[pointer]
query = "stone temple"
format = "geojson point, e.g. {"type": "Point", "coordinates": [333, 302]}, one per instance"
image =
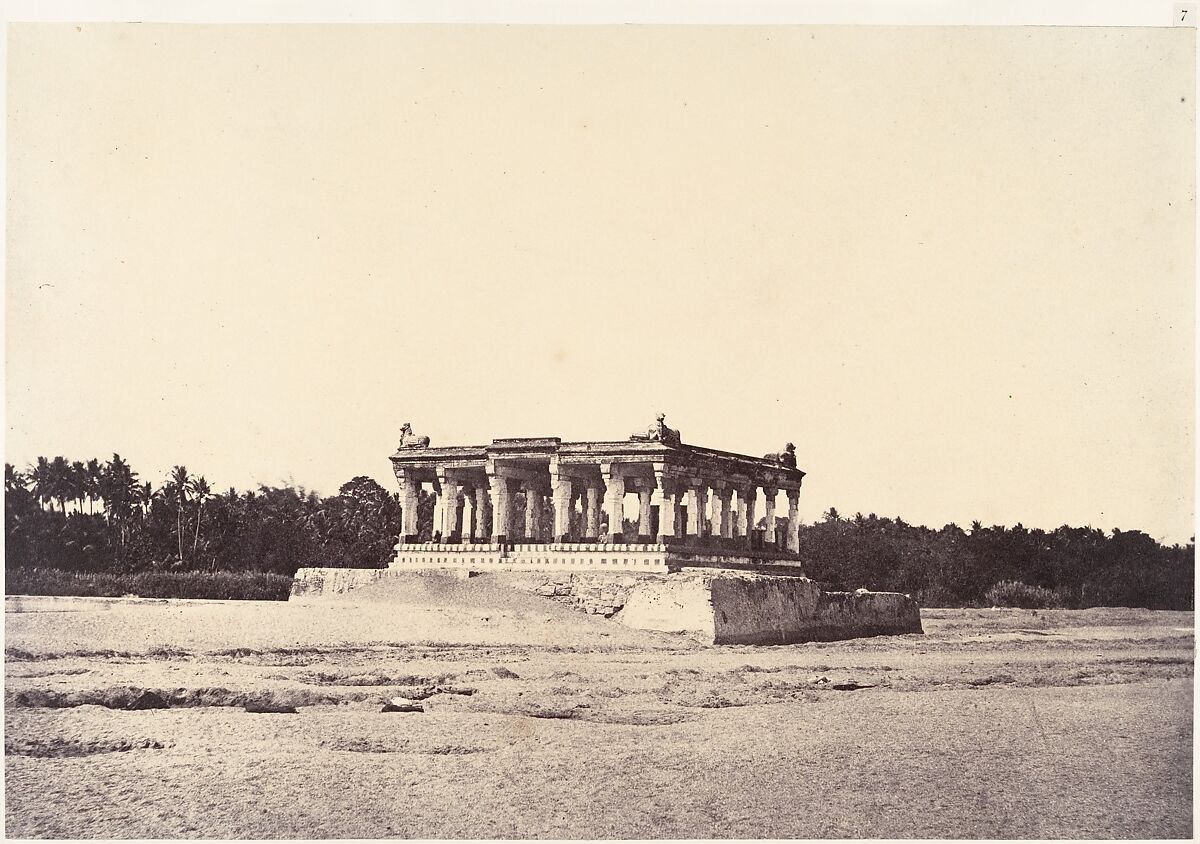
{"type": "Point", "coordinates": [551, 517]}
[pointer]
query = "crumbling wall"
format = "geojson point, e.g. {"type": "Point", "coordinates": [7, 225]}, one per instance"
{"type": "Point", "coordinates": [776, 610]}
{"type": "Point", "coordinates": [599, 594]}
{"type": "Point", "coordinates": [681, 603]}
{"type": "Point", "coordinates": [314, 582]}
{"type": "Point", "coordinates": [734, 608]}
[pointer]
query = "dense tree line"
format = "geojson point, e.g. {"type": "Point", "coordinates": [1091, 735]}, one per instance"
{"type": "Point", "coordinates": [1082, 567]}
{"type": "Point", "coordinates": [99, 517]}
{"type": "Point", "coordinates": [93, 516]}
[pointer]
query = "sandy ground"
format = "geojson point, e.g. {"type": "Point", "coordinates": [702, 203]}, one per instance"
{"type": "Point", "coordinates": [541, 722]}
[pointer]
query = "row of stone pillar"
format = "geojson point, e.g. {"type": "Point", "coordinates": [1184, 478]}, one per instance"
{"type": "Point", "coordinates": [467, 509]}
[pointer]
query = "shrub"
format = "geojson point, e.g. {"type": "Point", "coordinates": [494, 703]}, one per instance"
{"type": "Point", "coordinates": [1014, 593]}
{"type": "Point", "coordinates": [220, 585]}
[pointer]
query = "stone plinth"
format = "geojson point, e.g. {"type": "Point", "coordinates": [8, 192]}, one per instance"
{"type": "Point", "coordinates": [716, 606]}
{"type": "Point", "coordinates": [739, 608]}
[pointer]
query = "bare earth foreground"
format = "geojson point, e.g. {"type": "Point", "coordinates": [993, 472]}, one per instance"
{"type": "Point", "coordinates": [540, 721]}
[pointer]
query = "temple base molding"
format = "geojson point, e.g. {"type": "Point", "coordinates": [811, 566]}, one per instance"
{"type": "Point", "coordinates": [637, 557]}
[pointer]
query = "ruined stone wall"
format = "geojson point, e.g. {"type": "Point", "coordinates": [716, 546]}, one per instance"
{"type": "Point", "coordinates": [599, 594]}
{"type": "Point", "coordinates": [765, 610]}
{"type": "Point", "coordinates": [735, 608]}
{"type": "Point", "coordinates": [679, 604]}
{"type": "Point", "coordinates": [314, 582]}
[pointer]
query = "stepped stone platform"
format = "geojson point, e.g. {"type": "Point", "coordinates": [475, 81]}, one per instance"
{"type": "Point", "coordinates": [716, 606]}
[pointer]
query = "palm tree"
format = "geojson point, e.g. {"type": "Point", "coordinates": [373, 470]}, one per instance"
{"type": "Point", "coordinates": [118, 486]}
{"type": "Point", "coordinates": [92, 469]}
{"type": "Point", "coordinates": [177, 488]}
{"type": "Point", "coordinates": [60, 481]}
{"type": "Point", "coordinates": [43, 484]}
{"type": "Point", "coordinates": [13, 480]}
{"type": "Point", "coordinates": [201, 490]}
{"type": "Point", "coordinates": [79, 483]}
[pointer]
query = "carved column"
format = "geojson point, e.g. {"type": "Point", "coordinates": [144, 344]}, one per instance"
{"type": "Point", "coordinates": [449, 523]}
{"type": "Point", "coordinates": [591, 521]}
{"type": "Point", "coordinates": [482, 505]}
{"type": "Point", "coordinates": [436, 527]}
{"type": "Point", "coordinates": [746, 514]}
{"type": "Point", "coordinates": [668, 509]}
{"type": "Point", "coordinates": [577, 512]}
{"type": "Point", "coordinates": [697, 499]}
{"type": "Point", "coordinates": [714, 517]}
{"type": "Point", "coordinates": [793, 528]}
{"type": "Point", "coordinates": [533, 511]}
{"type": "Point", "coordinates": [769, 494]}
{"type": "Point", "coordinates": [645, 489]}
{"type": "Point", "coordinates": [409, 502]}
{"type": "Point", "coordinates": [560, 486]}
{"type": "Point", "coordinates": [468, 514]}
{"type": "Point", "coordinates": [501, 512]}
{"type": "Point", "coordinates": [614, 502]}
{"type": "Point", "coordinates": [723, 521]}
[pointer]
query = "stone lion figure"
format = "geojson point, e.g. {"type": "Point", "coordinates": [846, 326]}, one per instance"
{"type": "Point", "coordinates": [410, 440]}
{"type": "Point", "coordinates": [658, 433]}
{"type": "Point", "coordinates": [787, 457]}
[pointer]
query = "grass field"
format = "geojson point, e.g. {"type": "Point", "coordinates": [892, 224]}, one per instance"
{"type": "Point", "coordinates": [542, 722]}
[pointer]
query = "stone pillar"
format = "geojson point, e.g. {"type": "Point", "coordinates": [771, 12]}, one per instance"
{"type": "Point", "coordinates": [438, 513]}
{"type": "Point", "coordinates": [482, 504]}
{"type": "Point", "coordinates": [668, 510]}
{"type": "Point", "coordinates": [614, 503]}
{"type": "Point", "coordinates": [769, 494]}
{"type": "Point", "coordinates": [501, 511]}
{"type": "Point", "coordinates": [409, 502]}
{"type": "Point", "coordinates": [591, 521]}
{"type": "Point", "coordinates": [720, 522]}
{"type": "Point", "coordinates": [746, 514]}
{"type": "Point", "coordinates": [449, 523]}
{"type": "Point", "coordinates": [533, 511]}
{"type": "Point", "coordinates": [645, 488]}
{"type": "Point", "coordinates": [714, 518]}
{"type": "Point", "coordinates": [560, 486]}
{"type": "Point", "coordinates": [727, 513]}
{"type": "Point", "coordinates": [697, 498]}
{"type": "Point", "coordinates": [468, 515]}
{"type": "Point", "coordinates": [578, 512]}
{"type": "Point", "coordinates": [793, 527]}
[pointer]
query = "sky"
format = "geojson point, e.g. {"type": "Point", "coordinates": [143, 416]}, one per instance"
{"type": "Point", "coordinates": [955, 266]}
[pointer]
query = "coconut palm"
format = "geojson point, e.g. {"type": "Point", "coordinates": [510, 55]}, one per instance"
{"type": "Point", "coordinates": [177, 490]}
{"type": "Point", "coordinates": [201, 490]}
{"type": "Point", "coordinates": [92, 470]}
{"type": "Point", "coordinates": [118, 487]}
{"type": "Point", "coordinates": [78, 483]}
{"type": "Point", "coordinates": [43, 483]}
{"type": "Point", "coordinates": [60, 481]}
{"type": "Point", "coordinates": [13, 480]}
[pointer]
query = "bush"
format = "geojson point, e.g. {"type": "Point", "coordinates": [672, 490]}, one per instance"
{"type": "Point", "coordinates": [221, 585]}
{"type": "Point", "coordinates": [1014, 593]}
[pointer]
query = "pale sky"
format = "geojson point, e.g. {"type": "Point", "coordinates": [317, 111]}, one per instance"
{"type": "Point", "coordinates": [955, 266]}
